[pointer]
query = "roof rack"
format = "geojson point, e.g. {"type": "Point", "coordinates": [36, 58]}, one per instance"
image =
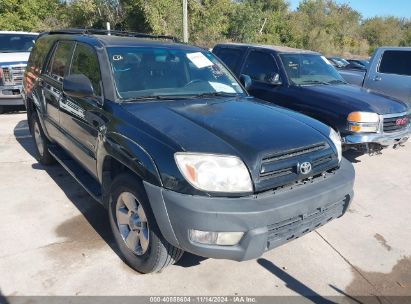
{"type": "Point", "coordinates": [86, 31]}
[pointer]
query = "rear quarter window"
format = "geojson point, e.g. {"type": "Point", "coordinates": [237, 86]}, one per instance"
{"type": "Point", "coordinates": [39, 53]}
{"type": "Point", "coordinates": [396, 62]}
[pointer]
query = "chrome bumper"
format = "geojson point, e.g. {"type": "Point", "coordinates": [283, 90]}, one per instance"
{"type": "Point", "coordinates": [11, 95]}
{"type": "Point", "coordinates": [384, 139]}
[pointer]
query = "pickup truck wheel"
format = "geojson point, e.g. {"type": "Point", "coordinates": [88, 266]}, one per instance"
{"type": "Point", "coordinates": [40, 142]}
{"type": "Point", "coordinates": [2, 109]}
{"type": "Point", "coordinates": [135, 229]}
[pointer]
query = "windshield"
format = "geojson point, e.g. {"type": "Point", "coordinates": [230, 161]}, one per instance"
{"type": "Point", "coordinates": [144, 72]}
{"type": "Point", "coordinates": [10, 43]}
{"type": "Point", "coordinates": [309, 69]}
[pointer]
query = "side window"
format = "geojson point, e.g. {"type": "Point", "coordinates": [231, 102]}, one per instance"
{"type": "Point", "coordinates": [39, 53]}
{"type": "Point", "coordinates": [260, 66]}
{"type": "Point", "coordinates": [60, 61]}
{"type": "Point", "coordinates": [85, 62]}
{"type": "Point", "coordinates": [396, 62]}
{"type": "Point", "coordinates": [231, 57]}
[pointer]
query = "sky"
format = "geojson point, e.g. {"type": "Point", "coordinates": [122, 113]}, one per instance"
{"type": "Point", "coordinates": [371, 8]}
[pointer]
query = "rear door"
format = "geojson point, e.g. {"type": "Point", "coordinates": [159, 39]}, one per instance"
{"type": "Point", "coordinates": [52, 87]}
{"type": "Point", "coordinates": [81, 118]}
{"type": "Point", "coordinates": [391, 75]}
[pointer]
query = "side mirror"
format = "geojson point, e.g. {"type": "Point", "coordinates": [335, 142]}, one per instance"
{"type": "Point", "coordinates": [274, 79]}
{"type": "Point", "coordinates": [245, 81]}
{"type": "Point", "coordinates": [78, 85]}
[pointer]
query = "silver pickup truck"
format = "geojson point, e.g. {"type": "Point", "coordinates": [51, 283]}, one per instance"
{"type": "Point", "coordinates": [15, 49]}
{"type": "Point", "coordinates": [389, 73]}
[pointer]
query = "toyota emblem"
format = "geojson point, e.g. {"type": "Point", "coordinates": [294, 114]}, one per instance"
{"type": "Point", "coordinates": [305, 168]}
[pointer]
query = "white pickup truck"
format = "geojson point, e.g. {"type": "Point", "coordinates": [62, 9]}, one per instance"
{"type": "Point", "coordinates": [15, 49]}
{"type": "Point", "coordinates": [389, 73]}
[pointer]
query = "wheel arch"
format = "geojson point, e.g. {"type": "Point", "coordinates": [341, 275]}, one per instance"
{"type": "Point", "coordinates": [114, 159]}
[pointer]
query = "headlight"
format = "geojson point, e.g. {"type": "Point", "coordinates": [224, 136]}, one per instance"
{"type": "Point", "coordinates": [363, 122]}
{"type": "Point", "coordinates": [214, 173]}
{"type": "Point", "coordinates": [336, 139]}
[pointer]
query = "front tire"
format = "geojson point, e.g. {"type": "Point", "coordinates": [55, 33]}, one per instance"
{"type": "Point", "coordinates": [41, 143]}
{"type": "Point", "coordinates": [135, 228]}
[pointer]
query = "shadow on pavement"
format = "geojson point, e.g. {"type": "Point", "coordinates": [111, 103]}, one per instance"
{"type": "Point", "coordinates": [353, 156]}
{"type": "Point", "coordinates": [95, 214]}
{"type": "Point", "coordinates": [345, 294]}
{"type": "Point", "coordinates": [190, 260]}
{"type": "Point", "coordinates": [292, 283]}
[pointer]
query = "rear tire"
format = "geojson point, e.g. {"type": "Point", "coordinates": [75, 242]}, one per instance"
{"type": "Point", "coordinates": [135, 229]}
{"type": "Point", "coordinates": [41, 143]}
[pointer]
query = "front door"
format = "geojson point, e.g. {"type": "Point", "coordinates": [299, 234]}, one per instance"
{"type": "Point", "coordinates": [81, 118]}
{"type": "Point", "coordinates": [264, 72]}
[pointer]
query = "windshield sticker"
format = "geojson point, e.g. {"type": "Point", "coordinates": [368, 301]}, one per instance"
{"type": "Point", "coordinates": [221, 87]}
{"type": "Point", "coordinates": [117, 57]}
{"type": "Point", "coordinates": [326, 60]}
{"type": "Point", "coordinates": [199, 60]}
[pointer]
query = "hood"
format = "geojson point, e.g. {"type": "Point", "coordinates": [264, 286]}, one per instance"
{"type": "Point", "coordinates": [244, 126]}
{"type": "Point", "coordinates": [14, 58]}
{"type": "Point", "coordinates": [356, 98]}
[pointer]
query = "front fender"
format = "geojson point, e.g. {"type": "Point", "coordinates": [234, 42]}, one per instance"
{"type": "Point", "coordinates": [129, 153]}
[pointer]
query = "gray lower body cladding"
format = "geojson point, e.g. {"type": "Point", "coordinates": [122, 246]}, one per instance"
{"type": "Point", "coordinates": [268, 220]}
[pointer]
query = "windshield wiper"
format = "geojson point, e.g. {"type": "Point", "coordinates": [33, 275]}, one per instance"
{"type": "Point", "coordinates": [314, 82]}
{"type": "Point", "coordinates": [336, 81]}
{"type": "Point", "coordinates": [215, 94]}
{"type": "Point", "coordinates": [153, 97]}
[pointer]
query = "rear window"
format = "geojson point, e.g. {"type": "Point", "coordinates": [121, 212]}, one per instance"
{"type": "Point", "coordinates": [396, 62]}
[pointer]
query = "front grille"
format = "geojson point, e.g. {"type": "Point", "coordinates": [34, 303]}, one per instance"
{"type": "Point", "coordinates": [394, 124]}
{"type": "Point", "coordinates": [316, 161]}
{"type": "Point", "coordinates": [13, 75]}
{"type": "Point", "coordinates": [292, 228]}
{"type": "Point", "coordinates": [283, 168]}
{"type": "Point", "coordinates": [294, 152]}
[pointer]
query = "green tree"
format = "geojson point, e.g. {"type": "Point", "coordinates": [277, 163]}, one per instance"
{"type": "Point", "coordinates": [325, 26]}
{"type": "Point", "coordinates": [380, 31]}
{"type": "Point", "coordinates": [33, 15]}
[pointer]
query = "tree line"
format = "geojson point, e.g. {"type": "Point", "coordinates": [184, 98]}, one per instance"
{"type": "Point", "coordinates": [320, 25]}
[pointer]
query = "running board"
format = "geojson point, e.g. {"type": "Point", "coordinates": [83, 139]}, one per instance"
{"type": "Point", "coordinates": [77, 172]}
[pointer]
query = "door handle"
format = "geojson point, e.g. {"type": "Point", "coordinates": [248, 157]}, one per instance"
{"type": "Point", "coordinates": [377, 78]}
{"type": "Point", "coordinates": [94, 119]}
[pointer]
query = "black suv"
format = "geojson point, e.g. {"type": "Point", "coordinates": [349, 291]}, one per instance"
{"type": "Point", "coordinates": [165, 137]}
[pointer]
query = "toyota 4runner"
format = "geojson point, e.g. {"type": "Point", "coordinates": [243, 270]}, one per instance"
{"type": "Point", "coordinates": [167, 139]}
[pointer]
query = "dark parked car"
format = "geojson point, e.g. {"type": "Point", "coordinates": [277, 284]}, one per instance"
{"type": "Point", "coordinates": [164, 136]}
{"type": "Point", "coordinates": [306, 82]}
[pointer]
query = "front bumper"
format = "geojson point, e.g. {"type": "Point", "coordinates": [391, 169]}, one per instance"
{"type": "Point", "coordinates": [268, 219]}
{"type": "Point", "coordinates": [383, 139]}
{"type": "Point", "coordinates": [11, 95]}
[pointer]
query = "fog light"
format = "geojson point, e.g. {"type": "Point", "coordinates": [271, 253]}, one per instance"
{"type": "Point", "coordinates": [216, 238]}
